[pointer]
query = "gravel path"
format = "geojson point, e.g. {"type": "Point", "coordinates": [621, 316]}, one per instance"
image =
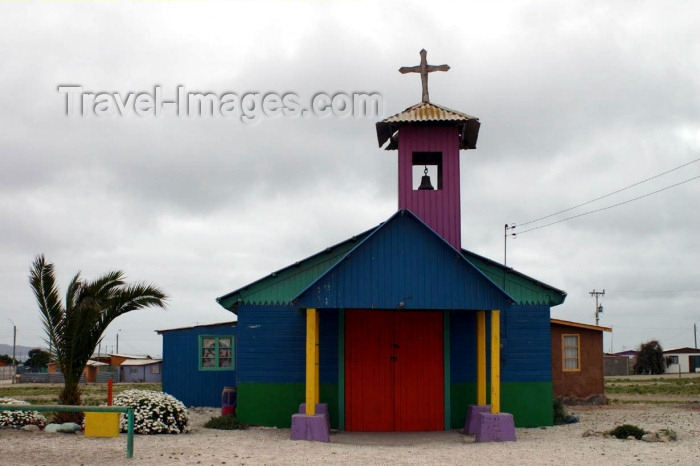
{"type": "Point", "coordinates": [551, 445]}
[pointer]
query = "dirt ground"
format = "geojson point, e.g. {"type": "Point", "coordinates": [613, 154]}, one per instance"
{"type": "Point", "coordinates": [551, 445]}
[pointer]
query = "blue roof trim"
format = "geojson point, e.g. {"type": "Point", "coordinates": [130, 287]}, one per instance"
{"type": "Point", "coordinates": [403, 263]}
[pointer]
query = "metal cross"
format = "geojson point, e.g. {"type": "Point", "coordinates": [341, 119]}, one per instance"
{"type": "Point", "coordinates": [423, 69]}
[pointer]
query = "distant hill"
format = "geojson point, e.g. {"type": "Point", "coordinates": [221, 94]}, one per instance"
{"type": "Point", "coordinates": [21, 352]}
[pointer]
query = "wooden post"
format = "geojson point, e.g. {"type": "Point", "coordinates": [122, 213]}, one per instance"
{"type": "Point", "coordinates": [495, 362]}
{"type": "Point", "coordinates": [317, 360]}
{"type": "Point", "coordinates": [312, 358]}
{"type": "Point", "coordinates": [481, 358]}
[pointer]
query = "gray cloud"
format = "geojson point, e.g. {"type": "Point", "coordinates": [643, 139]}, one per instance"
{"type": "Point", "coordinates": [575, 102]}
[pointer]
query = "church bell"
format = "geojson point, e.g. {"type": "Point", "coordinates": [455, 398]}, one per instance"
{"type": "Point", "coordinates": [425, 181]}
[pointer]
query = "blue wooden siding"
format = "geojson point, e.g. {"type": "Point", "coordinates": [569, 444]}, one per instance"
{"type": "Point", "coordinates": [463, 346]}
{"type": "Point", "coordinates": [181, 375]}
{"type": "Point", "coordinates": [527, 345]}
{"type": "Point", "coordinates": [403, 264]}
{"type": "Point", "coordinates": [271, 345]}
{"type": "Point", "coordinates": [525, 335]}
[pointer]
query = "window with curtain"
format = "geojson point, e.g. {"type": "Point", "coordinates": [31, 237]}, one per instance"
{"type": "Point", "coordinates": [216, 352]}
{"type": "Point", "coordinates": [571, 352]}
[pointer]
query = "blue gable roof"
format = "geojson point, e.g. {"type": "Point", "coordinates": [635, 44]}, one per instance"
{"type": "Point", "coordinates": [403, 264]}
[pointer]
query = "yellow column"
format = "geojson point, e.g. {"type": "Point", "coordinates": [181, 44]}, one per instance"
{"type": "Point", "coordinates": [312, 358]}
{"type": "Point", "coordinates": [495, 361]}
{"type": "Point", "coordinates": [481, 358]}
{"type": "Point", "coordinates": [317, 361]}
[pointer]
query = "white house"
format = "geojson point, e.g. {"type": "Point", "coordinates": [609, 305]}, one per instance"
{"type": "Point", "coordinates": [682, 360]}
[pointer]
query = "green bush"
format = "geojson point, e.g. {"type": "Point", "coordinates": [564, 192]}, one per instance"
{"type": "Point", "coordinates": [559, 412]}
{"type": "Point", "coordinates": [627, 430]}
{"type": "Point", "coordinates": [225, 423]}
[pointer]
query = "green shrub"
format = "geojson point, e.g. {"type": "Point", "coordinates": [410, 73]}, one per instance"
{"type": "Point", "coordinates": [627, 430]}
{"type": "Point", "coordinates": [225, 423]}
{"type": "Point", "coordinates": [559, 412]}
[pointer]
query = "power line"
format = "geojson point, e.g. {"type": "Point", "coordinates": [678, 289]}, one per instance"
{"type": "Point", "coordinates": [610, 194]}
{"type": "Point", "coordinates": [611, 206]}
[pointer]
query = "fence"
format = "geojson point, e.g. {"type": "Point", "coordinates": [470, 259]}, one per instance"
{"type": "Point", "coordinates": [5, 372]}
{"type": "Point", "coordinates": [85, 409]}
{"type": "Point", "coordinates": [108, 372]}
{"type": "Point", "coordinates": [45, 377]}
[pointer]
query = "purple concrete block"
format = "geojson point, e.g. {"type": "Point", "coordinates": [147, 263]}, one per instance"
{"type": "Point", "coordinates": [321, 409]}
{"type": "Point", "coordinates": [313, 428]}
{"type": "Point", "coordinates": [473, 417]}
{"type": "Point", "coordinates": [495, 428]}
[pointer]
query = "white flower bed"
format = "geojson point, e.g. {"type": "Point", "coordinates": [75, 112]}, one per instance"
{"type": "Point", "coordinates": [154, 412]}
{"type": "Point", "coordinates": [19, 418]}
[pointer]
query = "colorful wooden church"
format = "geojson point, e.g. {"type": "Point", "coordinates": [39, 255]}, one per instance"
{"type": "Point", "coordinates": [398, 328]}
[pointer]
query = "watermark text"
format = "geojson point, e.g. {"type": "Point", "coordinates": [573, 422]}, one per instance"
{"type": "Point", "coordinates": [248, 107]}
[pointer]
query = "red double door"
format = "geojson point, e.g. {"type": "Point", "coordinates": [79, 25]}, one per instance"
{"type": "Point", "coordinates": [394, 379]}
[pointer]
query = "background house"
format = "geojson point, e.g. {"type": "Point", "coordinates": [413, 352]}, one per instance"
{"type": "Point", "coordinates": [92, 368]}
{"type": "Point", "coordinates": [682, 360]}
{"type": "Point", "coordinates": [141, 370]}
{"type": "Point", "coordinates": [199, 361]}
{"type": "Point", "coordinates": [577, 360]}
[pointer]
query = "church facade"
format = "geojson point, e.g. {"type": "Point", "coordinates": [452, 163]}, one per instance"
{"type": "Point", "coordinates": [398, 328]}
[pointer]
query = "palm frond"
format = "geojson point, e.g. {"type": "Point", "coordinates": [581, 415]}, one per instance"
{"type": "Point", "coordinates": [43, 284]}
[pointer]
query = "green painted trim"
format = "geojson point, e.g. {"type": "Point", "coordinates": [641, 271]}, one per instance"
{"type": "Point", "coordinates": [341, 369]}
{"type": "Point", "coordinates": [216, 353]}
{"type": "Point", "coordinates": [530, 403]}
{"type": "Point", "coordinates": [273, 404]}
{"type": "Point", "coordinates": [446, 367]}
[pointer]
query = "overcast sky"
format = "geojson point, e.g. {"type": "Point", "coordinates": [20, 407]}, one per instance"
{"type": "Point", "coordinates": [576, 100]}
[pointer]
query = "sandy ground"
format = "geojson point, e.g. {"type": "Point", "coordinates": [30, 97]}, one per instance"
{"type": "Point", "coordinates": [551, 445]}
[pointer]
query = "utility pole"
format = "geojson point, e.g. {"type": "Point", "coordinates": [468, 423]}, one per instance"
{"type": "Point", "coordinates": [14, 349]}
{"type": "Point", "coordinates": [505, 240]}
{"type": "Point", "coordinates": [598, 309]}
{"type": "Point", "coordinates": [117, 342]}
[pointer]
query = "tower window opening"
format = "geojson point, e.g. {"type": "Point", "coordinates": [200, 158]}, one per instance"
{"type": "Point", "coordinates": [430, 161]}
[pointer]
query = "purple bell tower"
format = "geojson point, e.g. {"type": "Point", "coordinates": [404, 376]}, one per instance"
{"type": "Point", "coordinates": [428, 138]}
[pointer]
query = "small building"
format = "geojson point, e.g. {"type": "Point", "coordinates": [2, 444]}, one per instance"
{"type": "Point", "coordinates": [682, 360]}
{"type": "Point", "coordinates": [199, 361]}
{"type": "Point", "coordinates": [577, 360]}
{"type": "Point", "coordinates": [616, 366]}
{"type": "Point", "coordinates": [631, 356]}
{"type": "Point", "coordinates": [141, 370]}
{"type": "Point", "coordinates": [92, 368]}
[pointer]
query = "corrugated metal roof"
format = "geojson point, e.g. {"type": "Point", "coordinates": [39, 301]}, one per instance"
{"type": "Point", "coordinates": [523, 289]}
{"type": "Point", "coordinates": [403, 264]}
{"type": "Point", "coordinates": [685, 350]}
{"type": "Point", "coordinates": [568, 323]}
{"type": "Point", "coordinates": [140, 362]}
{"type": "Point", "coordinates": [280, 287]}
{"type": "Point", "coordinates": [218, 324]}
{"type": "Point", "coordinates": [427, 113]}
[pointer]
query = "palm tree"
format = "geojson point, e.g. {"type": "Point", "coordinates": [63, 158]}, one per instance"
{"type": "Point", "coordinates": [75, 327]}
